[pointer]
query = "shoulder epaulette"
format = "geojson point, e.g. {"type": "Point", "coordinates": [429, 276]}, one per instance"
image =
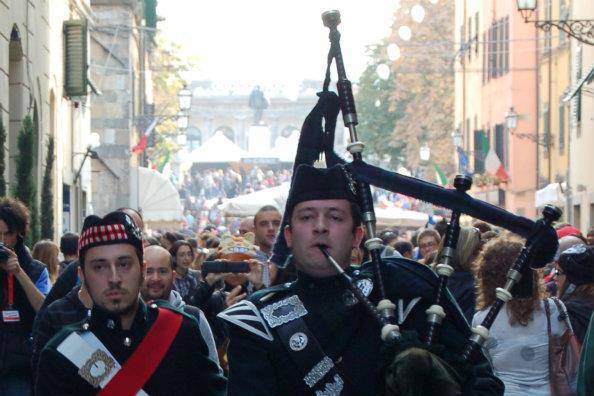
{"type": "Point", "coordinates": [246, 315]}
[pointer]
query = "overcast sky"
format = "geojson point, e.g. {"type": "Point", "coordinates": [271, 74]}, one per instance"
{"type": "Point", "coordinates": [272, 40]}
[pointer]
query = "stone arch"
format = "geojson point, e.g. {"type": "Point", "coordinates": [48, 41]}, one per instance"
{"type": "Point", "coordinates": [227, 131]}
{"type": "Point", "coordinates": [16, 97]}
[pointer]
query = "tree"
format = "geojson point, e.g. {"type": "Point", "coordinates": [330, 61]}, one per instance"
{"type": "Point", "coordinates": [24, 188]}
{"type": "Point", "coordinates": [2, 159]}
{"type": "Point", "coordinates": [47, 195]}
{"type": "Point", "coordinates": [377, 115]}
{"type": "Point", "coordinates": [425, 76]}
{"type": "Point", "coordinates": [167, 69]}
{"type": "Point", "coordinates": [414, 105]}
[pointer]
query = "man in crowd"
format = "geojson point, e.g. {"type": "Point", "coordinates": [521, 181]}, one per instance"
{"type": "Point", "coordinates": [23, 284]}
{"type": "Point", "coordinates": [158, 285]}
{"type": "Point", "coordinates": [246, 225]}
{"type": "Point", "coordinates": [311, 336]}
{"type": "Point", "coordinates": [67, 310]}
{"type": "Point", "coordinates": [590, 237]}
{"type": "Point", "coordinates": [266, 223]}
{"type": "Point", "coordinates": [69, 248]}
{"type": "Point", "coordinates": [125, 346]}
{"type": "Point", "coordinates": [428, 241]}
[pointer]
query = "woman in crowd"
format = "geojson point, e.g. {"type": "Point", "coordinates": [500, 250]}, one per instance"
{"type": "Point", "coordinates": [47, 252]}
{"type": "Point", "coordinates": [519, 342]}
{"type": "Point", "coordinates": [575, 284]}
{"type": "Point", "coordinates": [462, 282]}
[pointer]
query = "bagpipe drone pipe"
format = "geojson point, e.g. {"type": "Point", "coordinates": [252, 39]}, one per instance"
{"type": "Point", "coordinates": [317, 137]}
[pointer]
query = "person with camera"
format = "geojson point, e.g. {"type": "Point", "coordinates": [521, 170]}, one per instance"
{"type": "Point", "coordinates": [23, 285]}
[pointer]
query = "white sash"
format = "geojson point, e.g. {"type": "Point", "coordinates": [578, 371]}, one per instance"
{"type": "Point", "coordinates": [94, 361]}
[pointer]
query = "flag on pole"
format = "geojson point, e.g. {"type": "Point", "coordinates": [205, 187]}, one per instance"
{"type": "Point", "coordinates": [440, 176]}
{"type": "Point", "coordinates": [143, 142]}
{"type": "Point", "coordinates": [462, 160]}
{"type": "Point", "coordinates": [494, 166]}
{"type": "Point", "coordinates": [164, 162]}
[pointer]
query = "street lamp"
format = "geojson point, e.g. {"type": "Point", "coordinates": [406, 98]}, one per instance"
{"type": "Point", "coordinates": [185, 99]}
{"type": "Point", "coordinates": [457, 138]}
{"type": "Point", "coordinates": [424, 153]}
{"type": "Point", "coordinates": [580, 29]}
{"type": "Point", "coordinates": [182, 121]}
{"type": "Point", "coordinates": [511, 119]}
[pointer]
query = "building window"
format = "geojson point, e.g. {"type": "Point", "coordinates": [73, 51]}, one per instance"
{"type": "Point", "coordinates": [546, 127]}
{"type": "Point", "coordinates": [500, 144]}
{"type": "Point", "coordinates": [476, 32]}
{"type": "Point", "coordinates": [561, 128]}
{"type": "Point", "coordinates": [485, 51]}
{"type": "Point", "coordinates": [469, 43]}
{"type": "Point", "coordinates": [479, 154]}
{"type": "Point", "coordinates": [547, 7]}
{"type": "Point", "coordinates": [498, 49]}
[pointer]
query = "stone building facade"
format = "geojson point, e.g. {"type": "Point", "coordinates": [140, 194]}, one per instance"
{"type": "Point", "coordinates": [121, 44]}
{"type": "Point", "coordinates": [32, 84]}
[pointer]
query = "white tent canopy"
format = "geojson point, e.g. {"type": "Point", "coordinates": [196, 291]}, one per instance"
{"type": "Point", "coordinates": [398, 217]}
{"type": "Point", "coordinates": [552, 194]}
{"type": "Point", "coordinates": [157, 198]}
{"type": "Point", "coordinates": [249, 204]}
{"type": "Point", "coordinates": [217, 149]}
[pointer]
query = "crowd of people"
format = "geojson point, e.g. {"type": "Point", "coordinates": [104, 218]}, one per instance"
{"type": "Point", "coordinates": [51, 291]}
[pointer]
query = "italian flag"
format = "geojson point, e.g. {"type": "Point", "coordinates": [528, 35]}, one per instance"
{"type": "Point", "coordinates": [494, 166]}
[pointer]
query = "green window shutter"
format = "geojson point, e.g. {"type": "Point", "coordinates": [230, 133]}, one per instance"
{"type": "Point", "coordinates": [75, 58]}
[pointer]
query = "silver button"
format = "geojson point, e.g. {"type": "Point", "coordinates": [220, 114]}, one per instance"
{"type": "Point", "coordinates": [110, 324]}
{"type": "Point", "coordinates": [85, 326]}
{"type": "Point", "coordinates": [154, 306]}
{"type": "Point", "coordinates": [127, 341]}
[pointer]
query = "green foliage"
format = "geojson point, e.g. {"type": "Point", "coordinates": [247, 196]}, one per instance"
{"type": "Point", "coordinates": [25, 183]}
{"type": "Point", "coordinates": [47, 195]}
{"type": "Point", "coordinates": [2, 159]}
{"type": "Point", "coordinates": [415, 105]}
{"type": "Point", "coordinates": [378, 115]}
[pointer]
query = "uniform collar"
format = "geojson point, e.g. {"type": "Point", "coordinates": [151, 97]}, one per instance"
{"type": "Point", "coordinates": [328, 283]}
{"type": "Point", "coordinates": [102, 319]}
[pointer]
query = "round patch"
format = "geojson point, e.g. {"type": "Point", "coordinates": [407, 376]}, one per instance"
{"type": "Point", "coordinates": [527, 353]}
{"type": "Point", "coordinates": [298, 341]}
{"type": "Point", "coordinates": [366, 286]}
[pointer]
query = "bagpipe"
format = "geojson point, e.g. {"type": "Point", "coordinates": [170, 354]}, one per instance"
{"type": "Point", "coordinates": [317, 137]}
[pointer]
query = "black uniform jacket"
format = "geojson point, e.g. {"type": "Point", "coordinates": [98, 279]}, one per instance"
{"type": "Point", "coordinates": [347, 334]}
{"type": "Point", "coordinates": [184, 370]}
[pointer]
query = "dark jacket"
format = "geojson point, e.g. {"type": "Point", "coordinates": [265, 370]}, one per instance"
{"type": "Point", "coordinates": [579, 310]}
{"type": "Point", "coordinates": [462, 286]}
{"type": "Point", "coordinates": [15, 338]}
{"type": "Point", "coordinates": [347, 335]}
{"type": "Point", "coordinates": [184, 370]}
{"type": "Point", "coordinates": [62, 312]}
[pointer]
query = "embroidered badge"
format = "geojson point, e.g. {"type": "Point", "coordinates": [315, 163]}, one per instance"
{"type": "Point", "coordinates": [283, 311]}
{"type": "Point", "coordinates": [298, 341]}
{"type": "Point", "coordinates": [365, 285]}
{"type": "Point", "coordinates": [97, 368]}
{"type": "Point", "coordinates": [332, 388]}
{"type": "Point", "coordinates": [318, 371]}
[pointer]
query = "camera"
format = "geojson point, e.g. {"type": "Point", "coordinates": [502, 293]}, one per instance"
{"type": "Point", "coordinates": [4, 253]}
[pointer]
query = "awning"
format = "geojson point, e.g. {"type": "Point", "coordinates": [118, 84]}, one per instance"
{"type": "Point", "coordinates": [249, 204]}
{"type": "Point", "coordinates": [553, 194]}
{"type": "Point", "coordinates": [217, 149]}
{"type": "Point", "coordinates": [157, 198]}
{"type": "Point", "coordinates": [584, 80]}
